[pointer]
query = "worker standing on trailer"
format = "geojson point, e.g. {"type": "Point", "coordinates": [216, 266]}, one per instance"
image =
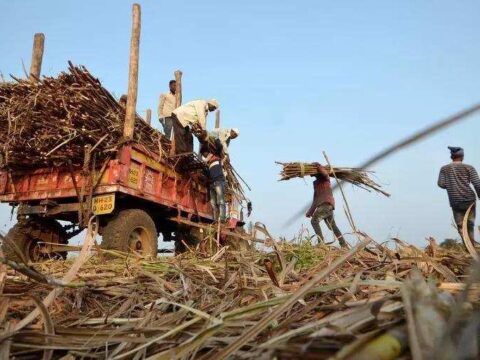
{"type": "Point", "coordinates": [165, 108]}
{"type": "Point", "coordinates": [190, 118]}
{"type": "Point", "coordinates": [456, 178]}
{"type": "Point", "coordinates": [323, 206]}
{"type": "Point", "coordinates": [217, 179]}
{"type": "Point", "coordinates": [214, 145]}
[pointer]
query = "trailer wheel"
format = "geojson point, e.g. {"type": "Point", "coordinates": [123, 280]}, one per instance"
{"type": "Point", "coordinates": [132, 230]}
{"type": "Point", "coordinates": [24, 240]}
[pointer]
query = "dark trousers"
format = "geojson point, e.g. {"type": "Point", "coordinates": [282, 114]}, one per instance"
{"type": "Point", "coordinates": [325, 212]}
{"type": "Point", "coordinates": [167, 123]}
{"type": "Point", "coordinates": [182, 136]}
{"type": "Point", "coordinates": [458, 216]}
{"type": "Point", "coordinates": [217, 199]}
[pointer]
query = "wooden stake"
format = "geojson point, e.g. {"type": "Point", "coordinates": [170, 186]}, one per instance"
{"type": "Point", "coordinates": [217, 119]}
{"type": "Point", "coordinates": [149, 116]}
{"type": "Point", "coordinates": [37, 56]}
{"type": "Point", "coordinates": [132, 74]}
{"type": "Point", "coordinates": [178, 91]}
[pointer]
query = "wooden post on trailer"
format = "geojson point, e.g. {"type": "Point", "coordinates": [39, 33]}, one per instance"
{"type": "Point", "coordinates": [37, 56]}
{"type": "Point", "coordinates": [148, 117]}
{"type": "Point", "coordinates": [132, 75]}
{"type": "Point", "coordinates": [82, 212]}
{"type": "Point", "coordinates": [217, 119]}
{"type": "Point", "coordinates": [178, 102]}
{"type": "Point", "coordinates": [178, 90]}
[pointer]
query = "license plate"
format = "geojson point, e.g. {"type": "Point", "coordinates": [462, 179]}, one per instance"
{"type": "Point", "coordinates": [104, 204]}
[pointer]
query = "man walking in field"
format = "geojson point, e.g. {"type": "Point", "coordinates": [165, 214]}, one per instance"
{"type": "Point", "coordinates": [166, 107]}
{"type": "Point", "coordinates": [323, 206]}
{"type": "Point", "coordinates": [457, 179]}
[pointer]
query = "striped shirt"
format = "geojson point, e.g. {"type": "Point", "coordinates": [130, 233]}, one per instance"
{"type": "Point", "coordinates": [456, 178]}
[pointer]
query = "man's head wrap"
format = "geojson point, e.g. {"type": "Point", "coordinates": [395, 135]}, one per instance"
{"type": "Point", "coordinates": [455, 151]}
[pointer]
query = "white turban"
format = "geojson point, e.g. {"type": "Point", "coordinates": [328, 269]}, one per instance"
{"type": "Point", "coordinates": [214, 103]}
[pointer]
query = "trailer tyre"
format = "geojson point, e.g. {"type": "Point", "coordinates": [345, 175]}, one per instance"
{"type": "Point", "coordinates": [132, 230]}
{"type": "Point", "coordinates": [23, 241]}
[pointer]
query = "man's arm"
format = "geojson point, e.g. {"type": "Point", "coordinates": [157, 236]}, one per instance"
{"type": "Point", "coordinates": [219, 145]}
{"type": "Point", "coordinates": [314, 205]}
{"type": "Point", "coordinates": [222, 138]}
{"type": "Point", "coordinates": [475, 180]}
{"type": "Point", "coordinates": [160, 106]}
{"type": "Point", "coordinates": [310, 211]}
{"type": "Point", "coordinates": [441, 179]}
{"type": "Point", "coordinates": [202, 117]}
{"type": "Point", "coordinates": [322, 172]}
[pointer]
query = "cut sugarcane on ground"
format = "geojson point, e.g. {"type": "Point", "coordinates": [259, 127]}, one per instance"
{"type": "Point", "coordinates": [355, 176]}
{"type": "Point", "coordinates": [199, 305]}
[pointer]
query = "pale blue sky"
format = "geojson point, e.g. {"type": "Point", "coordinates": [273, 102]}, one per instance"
{"type": "Point", "coordinates": [297, 77]}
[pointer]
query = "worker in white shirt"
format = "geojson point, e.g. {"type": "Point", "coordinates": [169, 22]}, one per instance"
{"type": "Point", "coordinates": [225, 135]}
{"type": "Point", "coordinates": [165, 108]}
{"type": "Point", "coordinates": [190, 118]}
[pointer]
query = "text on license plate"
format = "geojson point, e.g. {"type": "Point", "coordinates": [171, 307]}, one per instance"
{"type": "Point", "coordinates": [103, 204]}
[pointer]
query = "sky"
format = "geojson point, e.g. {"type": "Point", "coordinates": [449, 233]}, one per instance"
{"type": "Point", "coordinates": [298, 78]}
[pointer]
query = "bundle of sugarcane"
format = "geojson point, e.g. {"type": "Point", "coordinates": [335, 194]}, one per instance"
{"type": "Point", "coordinates": [50, 121]}
{"type": "Point", "coordinates": [355, 176]}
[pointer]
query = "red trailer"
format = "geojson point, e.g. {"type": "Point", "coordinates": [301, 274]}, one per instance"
{"type": "Point", "coordinates": [136, 196]}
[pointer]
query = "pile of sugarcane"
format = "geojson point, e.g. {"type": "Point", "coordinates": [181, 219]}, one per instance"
{"type": "Point", "coordinates": [355, 176]}
{"type": "Point", "coordinates": [50, 122]}
{"type": "Point", "coordinates": [296, 301]}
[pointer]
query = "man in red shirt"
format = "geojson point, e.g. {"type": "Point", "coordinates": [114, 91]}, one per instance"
{"type": "Point", "coordinates": [323, 205]}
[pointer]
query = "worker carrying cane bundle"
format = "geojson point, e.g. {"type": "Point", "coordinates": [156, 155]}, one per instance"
{"type": "Point", "coordinates": [323, 206]}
